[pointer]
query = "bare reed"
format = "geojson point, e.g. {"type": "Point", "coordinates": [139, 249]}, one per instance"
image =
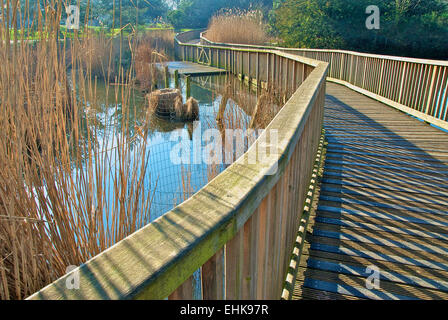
{"type": "Point", "coordinates": [65, 194]}
{"type": "Point", "coordinates": [240, 27]}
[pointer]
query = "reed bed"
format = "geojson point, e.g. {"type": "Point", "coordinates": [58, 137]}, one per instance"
{"type": "Point", "coordinates": [160, 40]}
{"type": "Point", "coordinates": [67, 192]}
{"type": "Point", "coordinates": [151, 48]}
{"type": "Point", "coordinates": [238, 26]}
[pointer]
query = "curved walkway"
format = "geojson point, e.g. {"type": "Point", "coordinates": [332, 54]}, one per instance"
{"type": "Point", "coordinates": [383, 206]}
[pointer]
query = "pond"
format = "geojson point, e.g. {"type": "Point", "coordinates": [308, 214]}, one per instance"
{"type": "Point", "coordinates": [178, 164]}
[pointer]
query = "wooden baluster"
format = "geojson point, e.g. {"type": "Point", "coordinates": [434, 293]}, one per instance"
{"type": "Point", "coordinates": [185, 291]}
{"type": "Point", "coordinates": [213, 277]}
{"type": "Point", "coordinates": [234, 266]}
{"type": "Point", "coordinates": [379, 91]}
{"type": "Point", "coordinates": [250, 251]}
{"type": "Point", "coordinates": [263, 239]}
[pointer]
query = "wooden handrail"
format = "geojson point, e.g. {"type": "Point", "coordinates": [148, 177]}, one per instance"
{"type": "Point", "coordinates": [418, 87]}
{"type": "Point", "coordinates": [247, 216]}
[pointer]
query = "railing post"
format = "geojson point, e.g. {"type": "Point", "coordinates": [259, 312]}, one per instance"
{"type": "Point", "coordinates": [364, 73]}
{"type": "Point", "coordinates": [188, 86]}
{"type": "Point", "coordinates": [351, 70]}
{"type": "Point", "coordinates": [287, 78]}
{"type": "Point", "coordinates": [225, 59]}
{"type": "Point", "coordinates": [268, 66]}
{"type": "Point", "coordinates": [213, 277]}
{"type": "Point", "coordinates": [210, 60]}
{"type": "Point", "coordinates": [403, 74]}
{"type": "Point", "coordinates": [167, 76]}
{"type": "Point", "coordinates": [176, 78]}
{"type": "Point", "coordinates": [258, 69]}
{"type": "Point", "coordinates": [331, 64]}
{"type": "Point", "coordinates": [381, 77]}
{"type": "Point", "coordinates": [248, 66]}
{"type": "Point", "coordinates": [234, 266]}
{"type": "Point", "coordinates": [341, 71]}
{"type": "Point", "coordinates": [431, 89]}
{"type": "Point", "coordinates": [242, 64]}
{"type": "Point", "coordinates": [294, 75]}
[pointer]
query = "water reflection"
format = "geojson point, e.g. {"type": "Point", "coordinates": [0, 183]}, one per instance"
{"type": "Point", "coordinates": [169, 183]}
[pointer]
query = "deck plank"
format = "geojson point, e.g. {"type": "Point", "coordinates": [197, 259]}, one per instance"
{"type": "Point", "coordinates": [383, 202]}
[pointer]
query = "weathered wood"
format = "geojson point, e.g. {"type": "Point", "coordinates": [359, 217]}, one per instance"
{"type": "Point", "coordinates": [249, 257]}
{"type": "Point", "coordinates": [402, 240]}
{"type": "Point", "coordinates": [189, 69]}
{"type": "Point", "coordinates": [158, 261]}
{"type": "Point", "coordinates": [184, 292]}
{"type": "Point", "coordinates": [438, 122]}
{"type": "Point", "coordinates": [234, 266]}
{"type": "Point", "coordinates": [213, 277]}
{"type": "Point", "coordinates": [188, 86]}
{"type": "Point", "coordinates": [262, 253]}
{"type": "Point", "coordinates": [176, 78]}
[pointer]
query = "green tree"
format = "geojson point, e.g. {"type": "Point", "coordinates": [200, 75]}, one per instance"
{"type": "Point", "coordinates": [408, 27]}
{"type": "Point", "coordinates": [126, 11]}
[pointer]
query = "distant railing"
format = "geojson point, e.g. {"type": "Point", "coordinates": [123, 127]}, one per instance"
{"type": "Point", "coordinates": [416, 86]}
{"type": "Point", "coordinates": [240, 229]}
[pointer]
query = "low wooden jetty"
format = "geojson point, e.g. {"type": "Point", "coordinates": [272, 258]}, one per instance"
{"type": "Point", "coordinates": [187, 68]}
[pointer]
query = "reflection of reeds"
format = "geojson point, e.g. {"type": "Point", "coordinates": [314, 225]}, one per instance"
{"type": "Point", "coordinates": [238, 26]}
{"type": "Point", "coordinates": [186, 184]}
{"type": "Point", "coordinates": [66, 192]}
{"type": "Point", "coordinates": [269, 102]}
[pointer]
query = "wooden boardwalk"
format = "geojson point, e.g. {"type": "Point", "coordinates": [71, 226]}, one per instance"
{"type": "Point", "coordinates": [383, 202]}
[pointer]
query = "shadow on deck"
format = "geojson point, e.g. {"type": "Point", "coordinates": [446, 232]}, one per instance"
{"type": "Point", "coordinates": [383, 206]}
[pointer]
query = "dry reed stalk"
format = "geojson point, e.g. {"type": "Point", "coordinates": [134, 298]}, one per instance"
{"type": "Point", "coordinates": [150, 51]}
{"type": "Point", "coordinates": [238, 26]}
{"type": "Point", "coordinates": [65, 195]}
{"type": "Point", "coordinates": [187, 188]}
{"type": "Point", "coordinates": [269, 103]}
{"type": "Point", "coordinates": [159, 40]}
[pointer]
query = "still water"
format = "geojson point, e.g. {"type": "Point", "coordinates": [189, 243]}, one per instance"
{"type": "Point", "coordinates": [170, 183]}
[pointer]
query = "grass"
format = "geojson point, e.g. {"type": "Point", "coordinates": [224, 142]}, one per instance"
{"type": "Point", "coordinates": [66, 192]}
{"type": "Point", "coordinates": [240, 27]}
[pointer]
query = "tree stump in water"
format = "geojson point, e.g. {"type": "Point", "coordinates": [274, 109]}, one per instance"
{"type": "Point", "coordinates": [168, 104]}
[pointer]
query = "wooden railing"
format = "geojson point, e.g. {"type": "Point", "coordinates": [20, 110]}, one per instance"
{"type": "Point", "coordinates": [239, 230]}
{"type": "Point", "coordinates": [416, 86]}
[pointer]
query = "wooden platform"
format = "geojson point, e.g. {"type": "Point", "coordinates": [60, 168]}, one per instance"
{"type": "Point", "coordinates": [192, 69]}
{"type": "Point", "coordinates": [383, 202]}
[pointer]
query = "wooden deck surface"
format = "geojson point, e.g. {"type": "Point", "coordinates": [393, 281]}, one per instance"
{"type": "Point", "coordinates": [383, 202]}
{"type": "Point", "coordinates": [191, 69]}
